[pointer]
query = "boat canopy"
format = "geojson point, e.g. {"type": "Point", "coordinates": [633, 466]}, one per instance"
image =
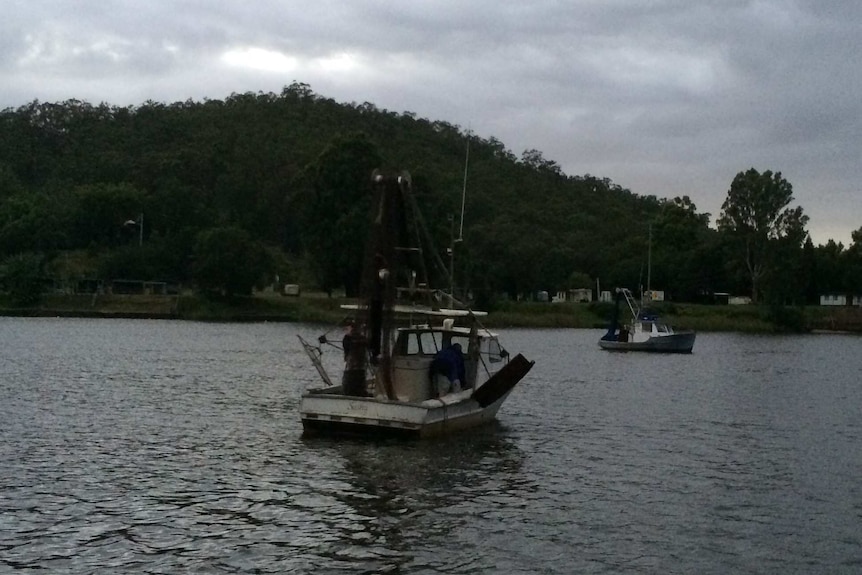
{"type": "Point", "coordinates": [422, 310]}
{"type": "Point", "coordinates": [647, 315]}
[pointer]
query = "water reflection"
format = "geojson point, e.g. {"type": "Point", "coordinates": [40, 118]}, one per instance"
{"type": "Point", "coordinates": [403, 502]}
{"type": "Point", "coordinates": [174, 447]}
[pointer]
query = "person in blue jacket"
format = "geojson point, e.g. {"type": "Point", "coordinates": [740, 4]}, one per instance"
{"type": "Point", "coordinates": [447, 370]}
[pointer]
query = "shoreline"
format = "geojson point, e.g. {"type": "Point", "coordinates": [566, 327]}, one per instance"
{"type": "Point", "coordinates": [324, 310]}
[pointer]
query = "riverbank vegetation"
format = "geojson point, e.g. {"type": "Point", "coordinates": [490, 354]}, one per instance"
{"type": "Point", "coordinates": [228, 198]}
{"type": "Point", "coordinates": [318, 308]}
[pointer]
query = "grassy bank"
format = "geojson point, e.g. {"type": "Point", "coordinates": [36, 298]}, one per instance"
{"type": "Point", "coordinates": [596, 315]}
{"type": "Point", "coordinates": [186, 307]}
{"type": "Point", "coordinates": [317, 308]}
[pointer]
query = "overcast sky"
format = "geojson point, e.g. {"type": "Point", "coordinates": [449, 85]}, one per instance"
{"type": "Point", "coordinates": [664, 97]}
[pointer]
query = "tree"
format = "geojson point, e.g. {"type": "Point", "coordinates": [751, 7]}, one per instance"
{"type": "Point", "coordinates": [679, 223]}
{"type": "Point", "coordinates": [678, 233]}
{"type": "Point", "coordinates": [338, 206]}
{"type": "Point", "coordinates": [534, 159]}
{"type": "Point", "coordinates": [756, 218]}
{"type": "Point", "coordinates": [100, 212]}
{"type": "Point", "coordinates": [578, 280]}
{"type": "Point", "coordinates": [810, 280]}
{"type": "Point", "coordinates": [229, 261]}
{"type": "Point", "coordinates": [853, 263]}
{"type": "Point", "coordinates": [829, 259]}
{"type": "Point", "coordinates": [22, 278]}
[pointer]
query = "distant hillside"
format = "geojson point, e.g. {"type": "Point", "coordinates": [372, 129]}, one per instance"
{"type": "Point", "coordinates": [290, 171]}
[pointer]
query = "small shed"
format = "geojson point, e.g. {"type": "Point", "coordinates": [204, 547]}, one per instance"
{"type": "Point", "coordinates": [833, 299]}
{"type": "Point", "coordinates": [721, 298]}
{"type": "Point", "coordinates": [654, 295]}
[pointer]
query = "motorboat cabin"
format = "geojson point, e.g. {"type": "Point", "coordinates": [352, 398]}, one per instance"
{"type": "Point", "coordinates": [416, 346]}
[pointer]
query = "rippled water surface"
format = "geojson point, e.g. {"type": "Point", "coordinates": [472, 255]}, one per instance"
{"type": "Point", "coordinates": [176, 447]}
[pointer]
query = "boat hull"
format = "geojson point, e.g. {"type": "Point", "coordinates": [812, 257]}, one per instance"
{"type": "Point", "coordinates": [679, 342]}
{"type": "Point", "coordinates": [329, 411]}
{"type": "Point", "coordinates": [340, 414]}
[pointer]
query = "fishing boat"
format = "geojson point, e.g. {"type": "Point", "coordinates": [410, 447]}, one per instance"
{"type": "Point", "coordinates": [644, 332]}
{"type": "Point", "coordinates": [392, 382]}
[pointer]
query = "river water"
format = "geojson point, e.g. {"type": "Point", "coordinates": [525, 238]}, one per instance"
{"type": "Point", "coordinates": [134, 446]}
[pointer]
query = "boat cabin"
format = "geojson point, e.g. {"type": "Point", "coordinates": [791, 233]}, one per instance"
{"type": "Point", "coordinates": [648, 323]}
{"type": "Point", "coordinates": [416, 346]}
{"type": "Point", "coordinates": [653, 328]}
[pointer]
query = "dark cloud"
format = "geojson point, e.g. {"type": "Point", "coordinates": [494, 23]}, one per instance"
{"type": "Point", "coordinates": [666, 97]}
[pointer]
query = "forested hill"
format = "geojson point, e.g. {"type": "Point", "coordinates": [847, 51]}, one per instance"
{"type": "Point", "coordinates": [280, 182]}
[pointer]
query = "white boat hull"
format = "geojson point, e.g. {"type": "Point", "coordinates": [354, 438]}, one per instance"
{"type": "Point", "coordinates": [678, 342]}
{"type": "Point", "coordinates": [342, 414]}
{"type": "Point", "coordinates": [329, 411]}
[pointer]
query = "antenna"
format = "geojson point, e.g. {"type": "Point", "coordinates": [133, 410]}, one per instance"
{"type": "Point", "coordinates": [464, 189]}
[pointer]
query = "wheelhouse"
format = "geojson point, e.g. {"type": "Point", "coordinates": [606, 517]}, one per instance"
{"type": "Point", "coordinates": [416, 346]}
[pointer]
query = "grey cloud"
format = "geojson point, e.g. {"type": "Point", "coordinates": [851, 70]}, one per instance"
{"type": "Point", "coordinates": [666, 97]}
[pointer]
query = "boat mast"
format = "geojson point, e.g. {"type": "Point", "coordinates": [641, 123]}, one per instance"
{"type": "Point", "coordinates": [387, 252]}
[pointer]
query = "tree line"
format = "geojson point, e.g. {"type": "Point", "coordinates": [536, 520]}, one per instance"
{"type": "Point", "coordinates": [264, 187]}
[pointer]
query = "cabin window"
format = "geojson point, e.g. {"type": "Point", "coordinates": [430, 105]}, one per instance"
{"type": "Point", "coordinates": [494, 350]}
{"type": "Point", "coordinates": [430, 342]}
{"type": "Point", "coordinates": [412, 341]}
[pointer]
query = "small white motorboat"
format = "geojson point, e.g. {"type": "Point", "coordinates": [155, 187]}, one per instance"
{"type": "Point", "coordinates": [644, 332]}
